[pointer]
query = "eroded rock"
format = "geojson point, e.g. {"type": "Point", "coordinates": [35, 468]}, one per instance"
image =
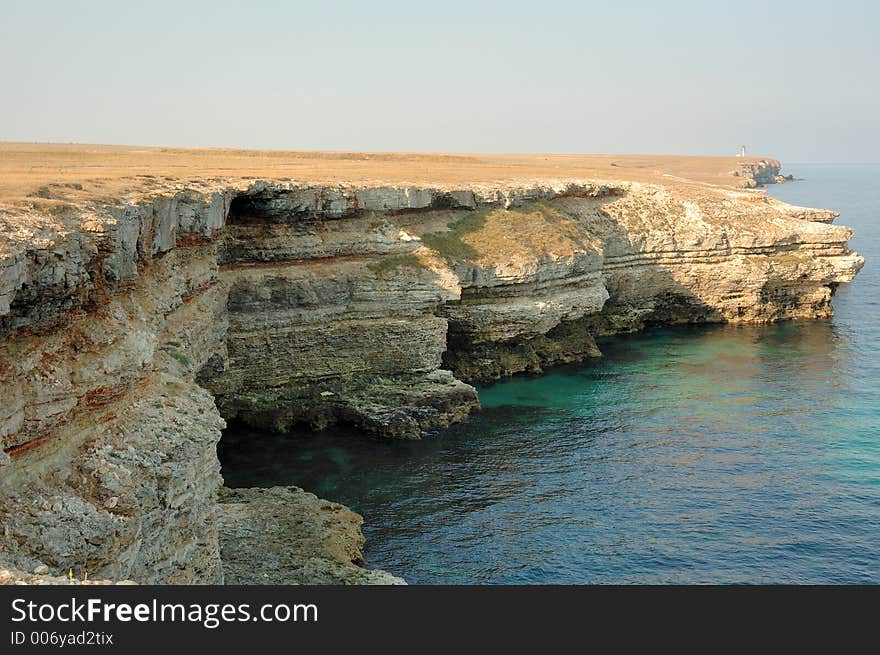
{"type": "Point", "coordinates": [284, 535]}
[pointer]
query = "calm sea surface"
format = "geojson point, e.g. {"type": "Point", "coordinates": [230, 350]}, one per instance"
{"type": "Point", "coordinates": [711, 454]}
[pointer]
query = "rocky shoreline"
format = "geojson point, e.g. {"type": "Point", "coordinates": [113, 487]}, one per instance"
{"type": "Point", "coordinates": [131, 330]}
{"type": "Point", "coordinates": [760, 173]}
{"type": "Point", "coordinates": [284, 535]}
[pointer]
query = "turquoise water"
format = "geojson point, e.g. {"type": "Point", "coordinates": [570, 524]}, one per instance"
{"type": "Point", "coordinates": [705, 454]}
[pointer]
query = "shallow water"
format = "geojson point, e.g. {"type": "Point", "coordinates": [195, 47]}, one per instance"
{"type": "Point", "coordinates": [697, 454]}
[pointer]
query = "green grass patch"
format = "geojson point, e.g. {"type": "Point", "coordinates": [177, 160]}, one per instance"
{"type": "Point", "coordinates": [394, 262]}
{"type": "Point", "coordinates": [180, 357]}
{"type": "Point", "coordinates": [170, 349]}
{"type": "Point", "coordinates": [449, 244]}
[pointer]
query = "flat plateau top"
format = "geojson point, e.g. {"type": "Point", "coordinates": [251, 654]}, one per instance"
{"type": "Point", "coordinates": [99, 172]}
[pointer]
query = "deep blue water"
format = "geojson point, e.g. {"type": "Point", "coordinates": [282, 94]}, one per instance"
{"type": "Point", "coordinates": [699, 454]}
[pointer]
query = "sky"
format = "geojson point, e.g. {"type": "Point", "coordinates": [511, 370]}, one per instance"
{"type": "Point", "coordinates": [792, 80]}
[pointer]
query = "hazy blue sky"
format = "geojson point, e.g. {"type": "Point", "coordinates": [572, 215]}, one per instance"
{"type": "Point", "coordinates": [795, 80]}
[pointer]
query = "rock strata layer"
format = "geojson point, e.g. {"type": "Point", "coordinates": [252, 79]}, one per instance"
{"type": "Point", "coordinates": [130, 330]}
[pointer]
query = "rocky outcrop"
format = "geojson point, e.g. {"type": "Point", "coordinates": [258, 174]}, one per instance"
{"type": "Point", "coordinates": [130, 331]}
{"type": "Point", "coordinates": [284, 535]}
{"type": "Point", "coordinates": [541, 279]}
{"type": "Point", "coordinates": [761, 172]}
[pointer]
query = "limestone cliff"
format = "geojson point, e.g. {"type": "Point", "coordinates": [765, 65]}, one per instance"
{"type": "Point", "coordinates": [130, 329]}
{"type": "Point", "coordinates": [756, 173]}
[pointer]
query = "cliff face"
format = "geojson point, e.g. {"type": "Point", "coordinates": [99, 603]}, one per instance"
{"type": "Point", "coordinates": [756, 173]}
{"type": "Point", "coordinates": [130, 331]}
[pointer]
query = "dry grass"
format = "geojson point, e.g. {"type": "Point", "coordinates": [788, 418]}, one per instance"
{"type": "Point", "coordinates": [57, 173]}
{"type": "Point", "coordinates": [489, 236]}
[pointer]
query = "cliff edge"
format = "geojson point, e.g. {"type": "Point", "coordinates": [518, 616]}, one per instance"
{"type": "Point", "coordinates": [143, 305]}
